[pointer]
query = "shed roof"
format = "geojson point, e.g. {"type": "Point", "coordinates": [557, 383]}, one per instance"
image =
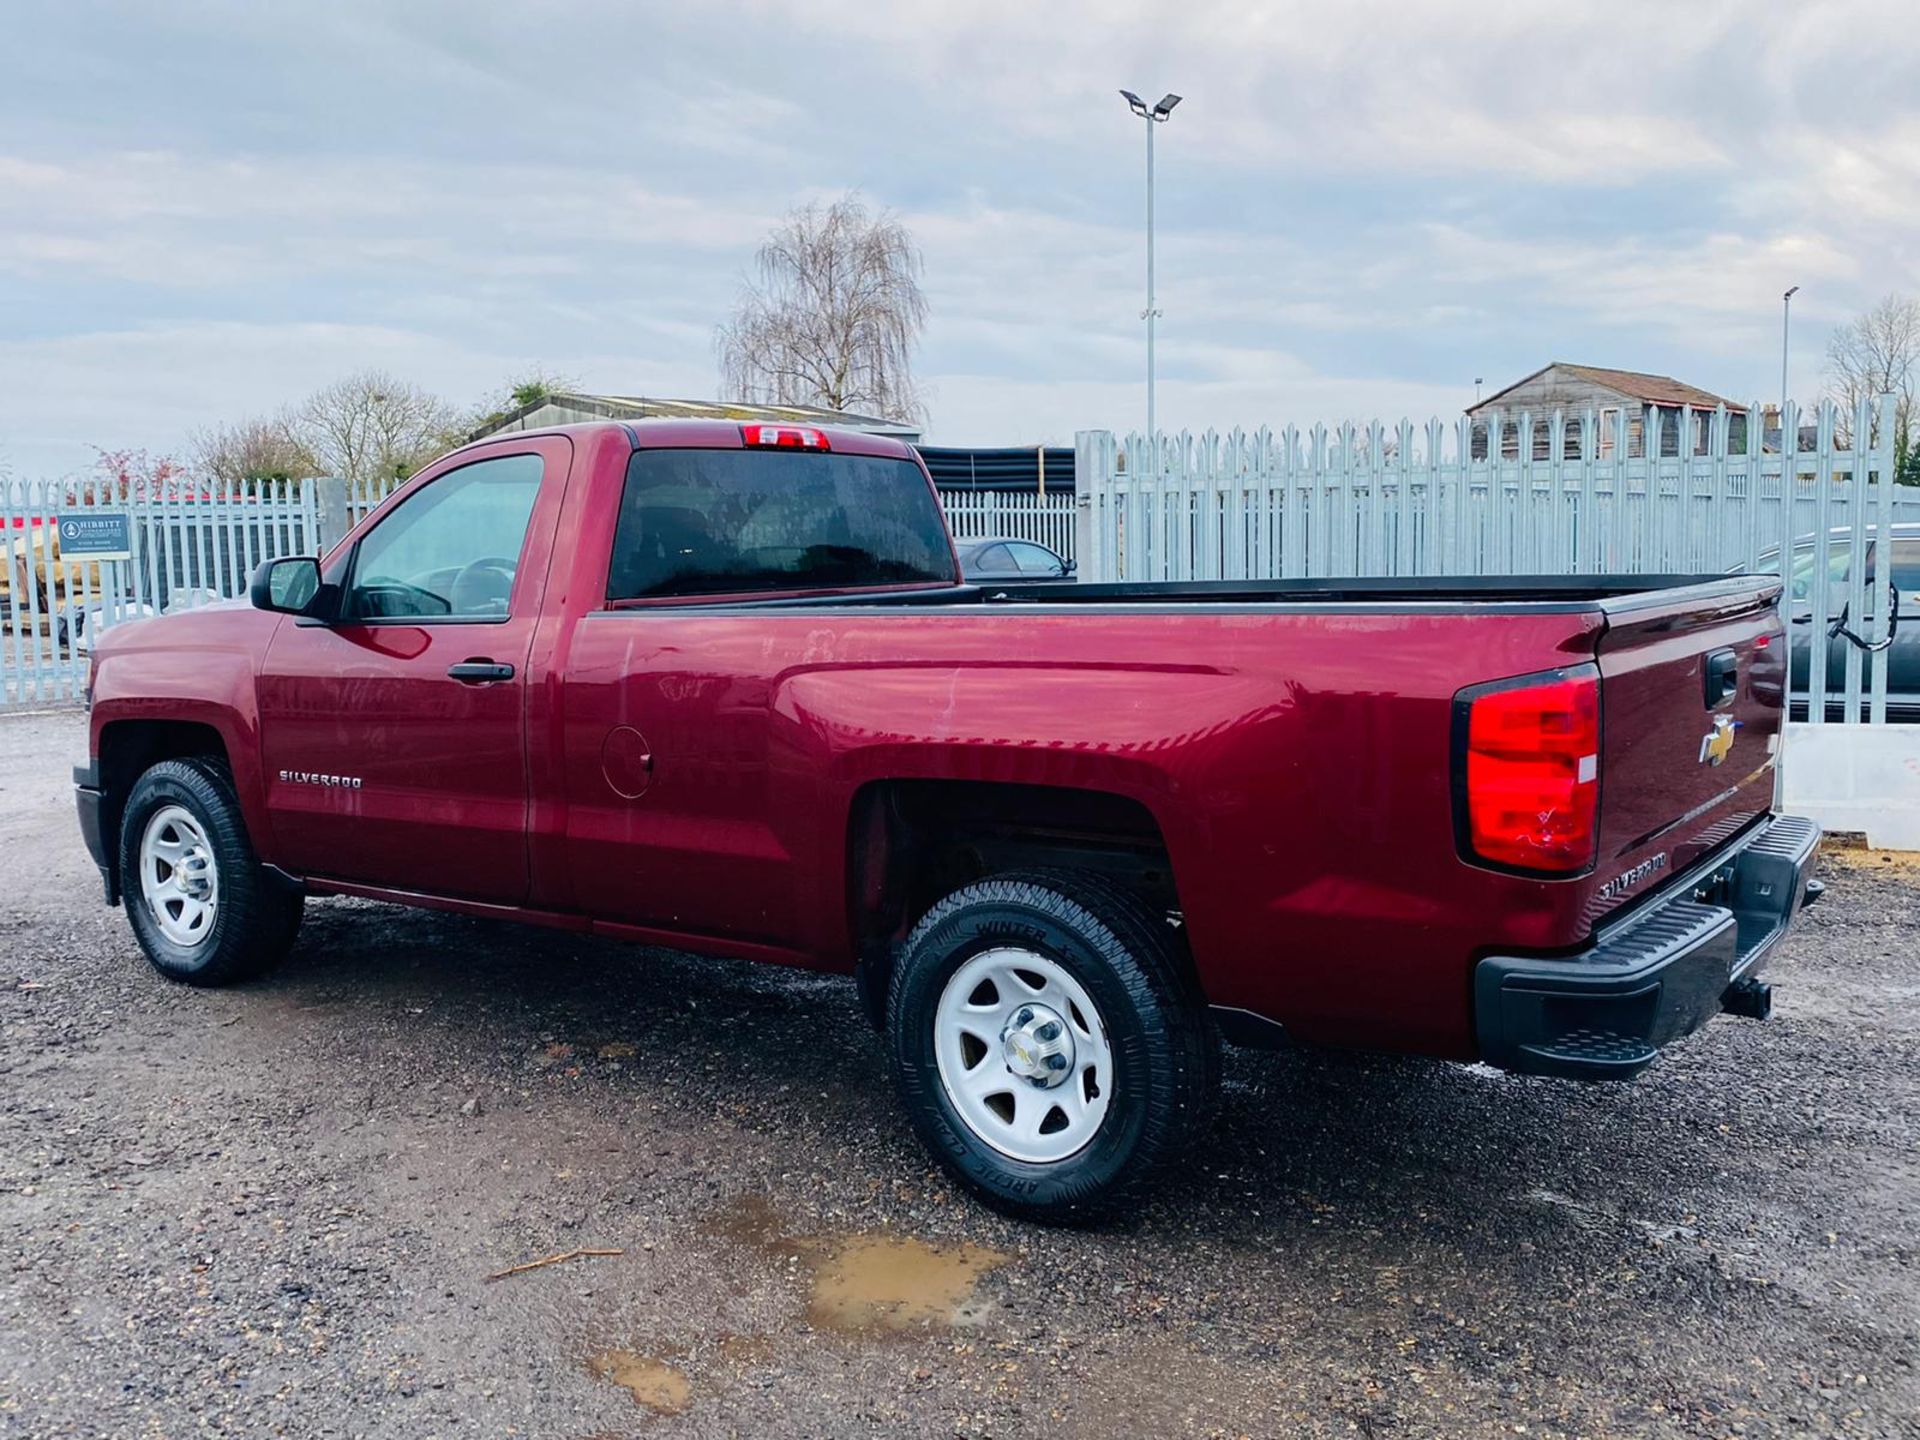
{"type": "Point", "coordinates": [647, 407]}
{"type": "Point", "coordinates": [1638, 384]}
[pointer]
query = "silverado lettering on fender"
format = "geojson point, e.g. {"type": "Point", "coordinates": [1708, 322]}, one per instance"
{"type": "Point", "coordinates": [720, 687]}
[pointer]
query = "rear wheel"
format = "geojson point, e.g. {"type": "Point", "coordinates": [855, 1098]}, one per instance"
{"type": "Point", "coordinates": [201, 905]}
{"type": "Point", "coordinates": [1049, 1042]}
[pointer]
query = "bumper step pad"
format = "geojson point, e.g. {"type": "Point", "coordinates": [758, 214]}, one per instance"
{"type": "Point", "coordinates": [1659, 974]}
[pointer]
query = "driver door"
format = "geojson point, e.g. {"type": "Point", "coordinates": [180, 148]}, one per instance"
{"type": "Point", "coordinates": [395, 736]}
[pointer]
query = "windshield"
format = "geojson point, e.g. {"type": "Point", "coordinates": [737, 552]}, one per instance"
{"type": "Point", "coordinates": [716, 522]}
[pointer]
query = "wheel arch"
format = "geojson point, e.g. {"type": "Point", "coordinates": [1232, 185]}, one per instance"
{"type": "Point", "coordinates": [125, 749]}
{"type": "Point", "coordinates": [912, 841]}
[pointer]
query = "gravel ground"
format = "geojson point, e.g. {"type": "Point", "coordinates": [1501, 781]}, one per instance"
{"type": "Point", "coordinates": [272, 1210]}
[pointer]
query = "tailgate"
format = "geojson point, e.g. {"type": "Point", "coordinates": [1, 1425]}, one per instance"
{"type": "Point", "coordinates": [1692, 689]}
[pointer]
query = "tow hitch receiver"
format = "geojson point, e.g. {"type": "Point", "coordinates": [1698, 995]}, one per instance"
{"type": "Point", "coordinates": [1748, 998]}
{"type": "Point", "coordinates": [1691, 952]}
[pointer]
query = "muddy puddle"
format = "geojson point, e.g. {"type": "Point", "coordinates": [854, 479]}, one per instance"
{"type": "Point", "coordinates": [874, 1283]}
{"type": "Point", "coordinates": [652, 1383]}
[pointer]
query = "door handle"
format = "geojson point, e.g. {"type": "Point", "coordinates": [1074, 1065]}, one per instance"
{"type": "Point", "coordinates": [479, 672]}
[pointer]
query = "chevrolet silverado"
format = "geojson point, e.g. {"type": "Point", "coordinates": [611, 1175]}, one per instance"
{"type": "Point", "coordinates": [721, 687]}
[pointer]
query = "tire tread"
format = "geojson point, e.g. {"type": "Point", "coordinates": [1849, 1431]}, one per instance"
{"type": "Point", "coordinates": [259, 917]}
{"type": "Point", "coordinates": [1144, 955]}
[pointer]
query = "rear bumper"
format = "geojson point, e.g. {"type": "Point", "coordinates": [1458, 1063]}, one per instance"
{"type": "Point", "coordinates": [1657, 975]}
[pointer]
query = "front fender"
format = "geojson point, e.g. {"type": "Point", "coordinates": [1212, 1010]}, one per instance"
{"type": "Point", "coordinates": [206, 687]}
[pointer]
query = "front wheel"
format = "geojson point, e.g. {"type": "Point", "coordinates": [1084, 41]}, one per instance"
{"type": "Point", "coordinates": [201, 905]}
{"type": "Point", "coordinates": [1049, 1042]}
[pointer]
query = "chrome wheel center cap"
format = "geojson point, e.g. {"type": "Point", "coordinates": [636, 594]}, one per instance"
{"type": "Point", "coordinates": [196, 877]}
{"type": "Point", "coordinates": [1037, 1046]}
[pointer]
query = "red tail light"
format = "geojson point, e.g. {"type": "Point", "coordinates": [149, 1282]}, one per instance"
{"type": "Point", "coordinates": [784, 437]}
{"type": "Point", "coordinates": [1527, 780]}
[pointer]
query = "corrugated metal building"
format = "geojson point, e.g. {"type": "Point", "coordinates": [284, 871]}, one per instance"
{"type": "Point", "coordinates": [569, 408]}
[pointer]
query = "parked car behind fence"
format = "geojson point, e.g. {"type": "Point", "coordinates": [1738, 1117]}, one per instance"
{"type": "Point", "coordinates": [1806, 574]}
{"type": "Point", "coordinates": [1009, 559]}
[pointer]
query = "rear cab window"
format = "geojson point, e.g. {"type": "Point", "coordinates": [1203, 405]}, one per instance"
{"type": "Point", "coordinates": [699, 523]}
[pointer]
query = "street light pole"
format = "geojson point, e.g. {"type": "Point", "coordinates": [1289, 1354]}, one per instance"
{"type": "Point", "coordinates": [1152, 312]}
{"type": "Point", "coordinates": [1155, 115]}
{"type": "Point", "coordinates": [1786, 319]}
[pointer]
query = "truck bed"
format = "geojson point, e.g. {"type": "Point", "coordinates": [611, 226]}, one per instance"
{"type": "Point", "coordinates": [1551, 594]}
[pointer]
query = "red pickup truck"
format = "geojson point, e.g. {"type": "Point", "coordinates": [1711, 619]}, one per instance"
{"type": "Point", "coordinates": [720, 687]}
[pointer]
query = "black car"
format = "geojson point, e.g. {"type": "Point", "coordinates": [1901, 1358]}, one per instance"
{"type": "Point", "coordinates": [1903, 659]}
{"type": "Point", "coordinates": [1011, 560]}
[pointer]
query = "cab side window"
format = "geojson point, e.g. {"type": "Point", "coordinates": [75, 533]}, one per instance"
{"type": "Point", "coordinates": [449, 551]}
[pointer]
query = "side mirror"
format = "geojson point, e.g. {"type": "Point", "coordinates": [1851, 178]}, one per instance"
{"type": "Point", "coordinates": [1069, 568]}
{"type": "Point", "coordinates": [290, 585]}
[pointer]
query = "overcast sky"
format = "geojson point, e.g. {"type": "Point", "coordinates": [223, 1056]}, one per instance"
{"type": "Point", "coordinates": [209, 209]}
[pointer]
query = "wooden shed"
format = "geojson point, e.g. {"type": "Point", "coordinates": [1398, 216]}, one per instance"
{"type": "Point", "coordinates": [1576, 389]}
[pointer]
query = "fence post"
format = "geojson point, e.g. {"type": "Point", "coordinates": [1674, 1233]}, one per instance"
{"type": "Point", "coordinates": [1884, 599]}
{"type": "Point", "coordinates": [331, 519]}
{"type": "Point", "coordinates": [1093, 521]}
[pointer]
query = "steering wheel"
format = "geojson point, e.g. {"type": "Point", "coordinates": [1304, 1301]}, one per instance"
{"type": "Point", "coordinates": [481, 584]}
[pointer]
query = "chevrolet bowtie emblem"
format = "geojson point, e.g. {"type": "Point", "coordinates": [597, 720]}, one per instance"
{"type": "Point", "coordinates": [1717, 743]}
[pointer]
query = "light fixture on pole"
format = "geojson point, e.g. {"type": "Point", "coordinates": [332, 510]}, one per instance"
{"type": "Point", "coordinates": [1153, 115]}
{"type": "Point", "coordinates": [1786, 319]}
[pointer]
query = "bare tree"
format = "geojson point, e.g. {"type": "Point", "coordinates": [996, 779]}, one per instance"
{"type": "Point", "coordinates": [251, 450]}
{"type": "Point", "coordinates": [834, 317]}
{"type": "Point", "coordinates": [371, 426]}
{"type": "Point", "coordinates": [1877, 353]}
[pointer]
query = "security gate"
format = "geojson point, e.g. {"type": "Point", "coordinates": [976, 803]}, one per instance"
{"type": "Point", "coordinates": [79, 557]}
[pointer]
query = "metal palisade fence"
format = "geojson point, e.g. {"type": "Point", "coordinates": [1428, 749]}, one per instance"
{"type": "Point", "coordinates": [971, 514]}
{"type": "Point", "coordinates": [80, 556]}
{"type": "Point", "coordinates": [986, 514]}
{"type": "Point", "coordinates": [1556, 494]}
{"type": "Point", "coordinates": [1509, 495]}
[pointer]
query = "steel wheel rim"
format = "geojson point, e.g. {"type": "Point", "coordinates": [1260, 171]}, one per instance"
{"type": "Point", "coordinates": [998, 1072]}
{"type": "Point", "coordinates": [179, 879]}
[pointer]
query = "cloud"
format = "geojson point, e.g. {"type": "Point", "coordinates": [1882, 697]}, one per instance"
{"type": "Point", "coordinates": [980, 410]}
{"type": "Point", "coordinates": [150, 387]}
{"type": "Point", "coordinates": [1362, 206]}
{"type": "Point", "coordinates": [167, 219]}
{"type": "Point", "coordinates": [1558, 95]}
{"type": "Point", "coordinates": [1720, 279]}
